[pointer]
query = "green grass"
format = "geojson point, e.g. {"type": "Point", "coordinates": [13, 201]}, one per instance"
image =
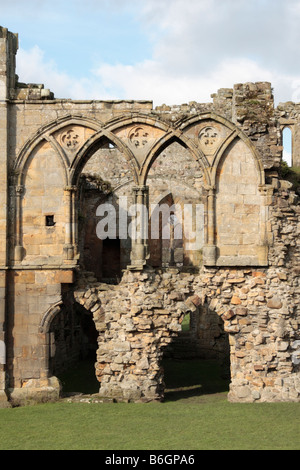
{"type": "Point", "coordinates": [195, 416]}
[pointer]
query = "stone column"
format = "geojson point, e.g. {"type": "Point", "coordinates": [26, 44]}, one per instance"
{"type": "Point", "coordinates": [74, 221]}
{"type": "Point", "coordinates": [210, 249]}
{"type": "Point", "coordinates": [19, 245]}
{"type": "Point", "coordinates": [139, 249]}
{"type": "Point", "coordinates": [71, 223]}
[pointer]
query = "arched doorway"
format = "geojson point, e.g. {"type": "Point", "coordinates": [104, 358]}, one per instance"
{"type": "Point", "coordinates": [197, 361]}
{"type": "Point", "coordinates": [72, 349]}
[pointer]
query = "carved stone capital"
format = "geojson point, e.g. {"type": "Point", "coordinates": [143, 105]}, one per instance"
{"type": "Point", "coordinates": [210, 188]}
{"type": "Point", "coordinates": [141, 189]}
{"type": "Point", "coordinates": [70, 188]}
{"type": "Point", "coordinates": [19, 190]}
{"type": "Point", "coordinates": [267, 191]}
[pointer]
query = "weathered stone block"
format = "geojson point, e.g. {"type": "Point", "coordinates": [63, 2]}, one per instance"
{"type": "Point", "coordinates": [64, 277]}
{"type": "Point", "coordinates": [274, 303]}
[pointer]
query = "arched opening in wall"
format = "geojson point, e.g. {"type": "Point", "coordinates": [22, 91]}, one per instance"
{"type": "Point", "coordinates": [166, 246]}
{"type": "Point", "coordinates": [287, 143]}
{"type": "Point", "coordinates": [175, 182]}
{"type": "Point", "coordinates": [197, 361]}
{"type": "Point", "coordinates": [105, 179]}
{"type": "Point", "coordinates": [72, 349]}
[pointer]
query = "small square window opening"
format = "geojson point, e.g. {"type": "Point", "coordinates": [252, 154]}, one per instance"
{"type": "Point", "coordinates": [50, 221]}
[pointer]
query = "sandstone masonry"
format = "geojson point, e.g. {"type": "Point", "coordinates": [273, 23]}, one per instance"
{"type": "Point", "coordinates": [65, 292]}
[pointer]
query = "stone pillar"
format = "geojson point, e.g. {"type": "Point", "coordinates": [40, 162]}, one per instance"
{"type": "Point", "coordinates": [8, 49]}
{"type": "Point", "coordinates": [19, 245]}
{"type": "Point", "coordinates": [71, 222]}
{"type": "Point", "coordinates": [139, 249]}
{"type": "Point", "coordinates": [210, 249]}
{"type": "Point", "coordinates": [74, 221]}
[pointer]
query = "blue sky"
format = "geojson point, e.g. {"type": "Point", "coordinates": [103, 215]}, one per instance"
{"type": "Point", "coordinates": [77, 34]}
{"type": "Point", "coordinates": [168, 51]}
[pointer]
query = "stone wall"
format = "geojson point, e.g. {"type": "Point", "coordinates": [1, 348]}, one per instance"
{"type": "Point", "coordinates": [139, 317]}
{"type": "Point", "coordinates": [288, 116]}
{"type": "Point", "coordinates": [61, 158]}
{"type": "Point", "coordinates": [259, 309]}
{"type": "Point", "coordinates": [34, 296]}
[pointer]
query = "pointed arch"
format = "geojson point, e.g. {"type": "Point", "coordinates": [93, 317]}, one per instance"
{"type": "Point", "coordinates": [49, 315]}
{"type": "Point", "coordinates": [234, 133]}
{"type": "Point", "coordinates": [46, 133]}
{"type": "Point", "coordinates": [169, 138]}
{"type": "Point", "coordinates": [92, 145]}
{"type": "Point", "coordinates": [125, 123]}
{"type": "Point", "coordinates": [136, 118]}
{"type": "Point", "coordinates": [233, 138]}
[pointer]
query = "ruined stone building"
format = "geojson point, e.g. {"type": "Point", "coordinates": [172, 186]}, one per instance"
{"type": "Point", "coordinates": [230, 259]}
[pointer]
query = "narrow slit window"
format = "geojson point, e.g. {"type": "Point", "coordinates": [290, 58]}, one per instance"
{"type": "Point", "coordinates": [287, 146]}
{"type": "Point", "coordinates": [50, 221]}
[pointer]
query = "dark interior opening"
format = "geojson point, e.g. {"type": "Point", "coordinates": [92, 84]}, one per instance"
{"type": "Point", "coordinates": [49, 221]}
{"type": "Point", "coordinates": [197, 361]}
{"type": "Point", "coordinates": [111, 259]}
{"type": "Point", "coordinates": [73, 347]}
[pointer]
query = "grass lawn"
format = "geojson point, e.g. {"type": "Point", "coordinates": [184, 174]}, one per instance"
{"type": "Point", "coordinates": [194, 416]}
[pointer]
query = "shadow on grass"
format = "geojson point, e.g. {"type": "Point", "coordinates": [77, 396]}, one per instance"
{"type": "Point", "coordinates": [184, 379]}
{"type": "Point", "coordinates": [194, 378]}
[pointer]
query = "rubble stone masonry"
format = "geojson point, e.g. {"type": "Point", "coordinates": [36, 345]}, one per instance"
{"type": "Point", "coordinates": [61, 159]}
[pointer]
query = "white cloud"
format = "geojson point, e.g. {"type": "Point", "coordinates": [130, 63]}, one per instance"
{"type": "Point", "coordinates": [32, 67]}
{"type": "Point", "coordinates": [199, 46]}
{"type": "Point", "coordinates": [149, 80]}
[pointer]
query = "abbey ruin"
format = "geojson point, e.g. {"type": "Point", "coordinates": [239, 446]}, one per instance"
{"type": "Point", "coordinates": [227, 254]}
